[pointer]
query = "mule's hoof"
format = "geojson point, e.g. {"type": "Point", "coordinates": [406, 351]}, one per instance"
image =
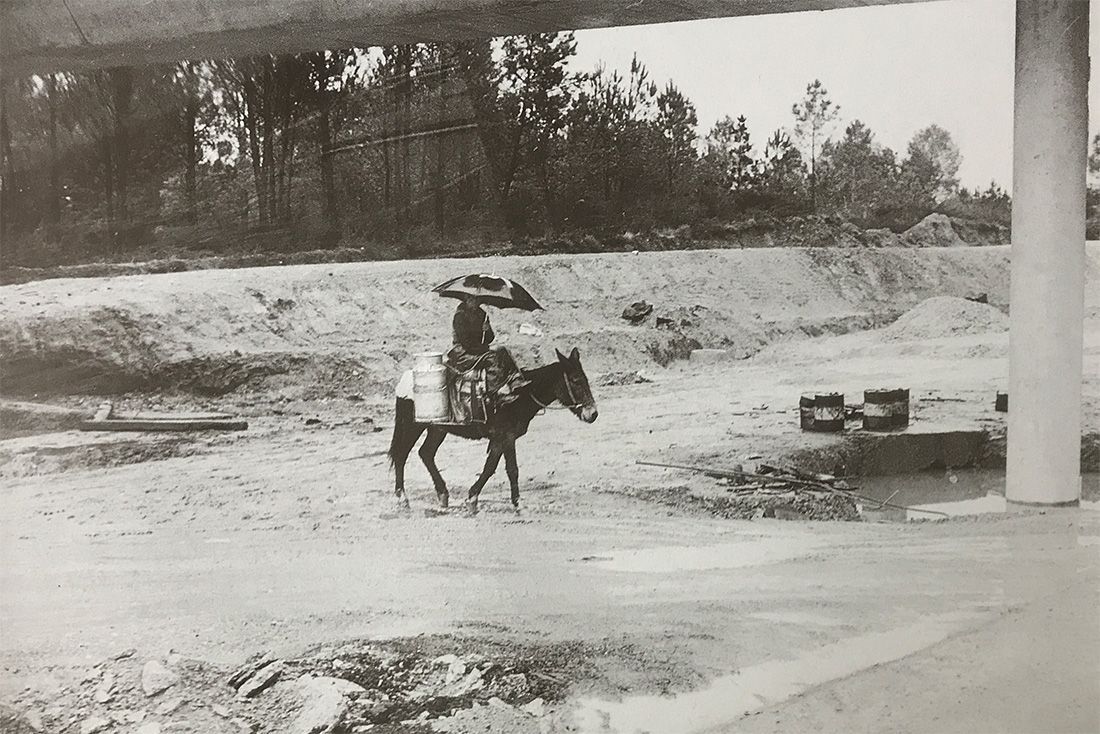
{"type": "Point", "coordinates": [471, 506]}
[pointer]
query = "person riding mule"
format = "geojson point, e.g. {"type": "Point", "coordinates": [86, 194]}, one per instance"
{"type": "Point", "coordinates": [472, 350]}
{"type": "Point", "coordinates": [562, 383]}
{"type": "Point", "coordinates": [526, 395]}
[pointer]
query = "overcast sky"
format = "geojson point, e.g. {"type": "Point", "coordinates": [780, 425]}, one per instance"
{"type": "Point", "coordinates": [898, 68]}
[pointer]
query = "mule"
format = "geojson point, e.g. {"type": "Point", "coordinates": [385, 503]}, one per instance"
{"type": "Point", "coordinates": [562, 382]}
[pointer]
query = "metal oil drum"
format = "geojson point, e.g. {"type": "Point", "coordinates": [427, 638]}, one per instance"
{"type": "Point", "coordinates": [829, 412]}
{"type": "Point", "coordinates": [806, 412]}
{"type": "Point", "coordinates": [885, 410]}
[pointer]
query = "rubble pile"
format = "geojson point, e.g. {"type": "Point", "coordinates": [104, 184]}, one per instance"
{"type": "Point", "coordinates": [353, 688]}
{"type": "Point", "coordinates": [786, 502]}
{"type": "Point", "coordinates": [786, 494]}
{"type": "Point", "coordinates": [378, 686]}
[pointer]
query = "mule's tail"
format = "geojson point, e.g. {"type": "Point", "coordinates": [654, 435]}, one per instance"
{"type": "Point", "coordinates": [405, 431]}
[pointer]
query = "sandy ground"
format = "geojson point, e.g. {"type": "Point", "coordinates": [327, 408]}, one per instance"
{"type": "Point", "coordinates": [286, 536]}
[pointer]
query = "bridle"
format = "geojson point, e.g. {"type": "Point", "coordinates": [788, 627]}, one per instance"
{"type": "Point", "coordinates": [574, 403]}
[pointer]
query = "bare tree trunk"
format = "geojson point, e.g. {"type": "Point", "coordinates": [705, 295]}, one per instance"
{"type": "Point", "coordinates": [7, 172]}
{"type": "Point", "coordinates": [406, 145]}
{"type": "Point", "coordinates": [475, 62]}
{"type": "Point", "coordinates": [251, 126]}
{"type": "Point", "coordinates": [813, 171]}
{"type": "Point", "coordinates": [402, 111]}
{"type": "Point", "coordinates": [53, 208]}
{"type": "Point", "coordinates": [287, 172]}
{"type": "Point", "coordinates": [122, 86]}
{"type": "Point", "coordinates": [548, 203]}
{"type": "Point", "coordinates": [328, 182]}
{"type": "Point", "coordinates": [109, 182]}
{"type": "Point", "coordinates": [466, 196]}
{"type": "Point", "coordinates": [440, 150]}
{"type": "Point", "coordinates": [190, 113]}
{"type": "Point", "coordinates": [268, 144]}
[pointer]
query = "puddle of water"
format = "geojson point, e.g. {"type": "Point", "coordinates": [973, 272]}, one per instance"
{"type": "Point", "coordinates": [991, 503]}
{"type": "Point", "coordinates": [756, 552]}
{"type": "Point", "coordinates": [956, 493]}
{"type": "Point", "coordinates": [802, 619]}
{"type": "Point", "coordinates": [760, 686]}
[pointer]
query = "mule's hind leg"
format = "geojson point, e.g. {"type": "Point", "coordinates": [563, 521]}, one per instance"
{"type": "Point", "coordinates": [511, 465]}
{"type": "Point", "coordinates": [491, 462]}
{"type": "Point", "coordinates": [427, 454]}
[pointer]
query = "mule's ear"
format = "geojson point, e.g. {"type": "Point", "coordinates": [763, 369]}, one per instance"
{"type": "Point", "coordinates": [561, 357]}
{"type": "Point", "coordinates": [575, 355]}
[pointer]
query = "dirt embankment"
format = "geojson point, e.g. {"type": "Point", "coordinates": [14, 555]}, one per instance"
{"type": "Point", "coordinates": [935, 230]}
{"type": "Point", "coordinates": [315, 330]}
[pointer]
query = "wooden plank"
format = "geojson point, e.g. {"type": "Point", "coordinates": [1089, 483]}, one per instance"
{"type": "Point", "coordinates": [126, 424]}
{"type": "Point", "coordinates": [178, 416]}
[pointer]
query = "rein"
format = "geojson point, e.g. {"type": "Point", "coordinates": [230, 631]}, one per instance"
{"type": "Point", "coordinates": [565, 406]}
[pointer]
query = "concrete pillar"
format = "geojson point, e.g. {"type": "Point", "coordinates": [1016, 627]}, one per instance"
{"type": "Point", "coordinates": [1048, 252]}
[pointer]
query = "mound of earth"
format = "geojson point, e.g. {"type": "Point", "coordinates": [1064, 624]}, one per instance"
{"type": "Point", "coordinates": [333, 329]}
{"type": "Point", "coordinates": [945, 316]}
{"type": "Point", "coordinates": [935, 230]}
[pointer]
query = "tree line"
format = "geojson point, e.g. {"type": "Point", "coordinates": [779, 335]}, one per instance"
{"type": "Point", "coordinates": [415, 149]}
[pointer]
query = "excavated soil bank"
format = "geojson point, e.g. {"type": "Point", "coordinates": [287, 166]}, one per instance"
{"type": "Point", "coordinates": [297, 327]}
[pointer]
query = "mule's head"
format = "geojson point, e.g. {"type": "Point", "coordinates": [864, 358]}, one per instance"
{"type": "Point", "coordinates": [573, 390]}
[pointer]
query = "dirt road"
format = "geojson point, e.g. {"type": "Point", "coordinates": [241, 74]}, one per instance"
{"type": "Point", "coordinates": [656, 618]}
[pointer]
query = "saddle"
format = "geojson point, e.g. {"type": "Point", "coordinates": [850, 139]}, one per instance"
{"type": "Point", "coordinates": [469, 396]}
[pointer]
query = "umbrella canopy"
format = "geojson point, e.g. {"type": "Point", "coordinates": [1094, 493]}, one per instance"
{"type": "Point", "coordinates": [491, 290]}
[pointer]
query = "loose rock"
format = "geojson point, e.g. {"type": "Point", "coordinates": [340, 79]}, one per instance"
{"type": "Point", "coordinates": [262, 679]}
{"type": "Point", "coordinates": [33, 720]}
{"type": "Point", "coordinates": [325, 704]}
{"type": "Point", "coordinates": [636, 312]}
{"type": "Point", "coordinates": [471, 682]}
{"type": "Point", "coordinates": [94, 724]}
{"type": "Point", "coordinates": [455, 670]}
{"type": "Point", "coordinates": [103, 691]}
{"type": "Point", "coordinates": [246, 671]}
{"type": "Point", "coordinates": [156, 678]}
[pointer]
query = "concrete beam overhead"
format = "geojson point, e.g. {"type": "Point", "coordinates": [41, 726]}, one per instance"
{"type": "Point", "coordinates": [50, 35]}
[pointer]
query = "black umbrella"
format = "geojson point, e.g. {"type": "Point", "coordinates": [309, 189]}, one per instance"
{"type": "Point", "coordinates": [491, 290]}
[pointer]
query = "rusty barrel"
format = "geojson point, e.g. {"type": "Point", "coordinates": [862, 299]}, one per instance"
{"type": "Point", "coordinates": [806, 412]}
{"type": "Point", "coordinates": [828, 412]}
{"type": "Point", "coordinates": [885, 410]}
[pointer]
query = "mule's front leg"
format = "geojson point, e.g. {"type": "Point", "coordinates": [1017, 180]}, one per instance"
{"type": "Point", "coordinates": [491, 463]}
{"type": "Point", "coordinates": [512, 467]}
